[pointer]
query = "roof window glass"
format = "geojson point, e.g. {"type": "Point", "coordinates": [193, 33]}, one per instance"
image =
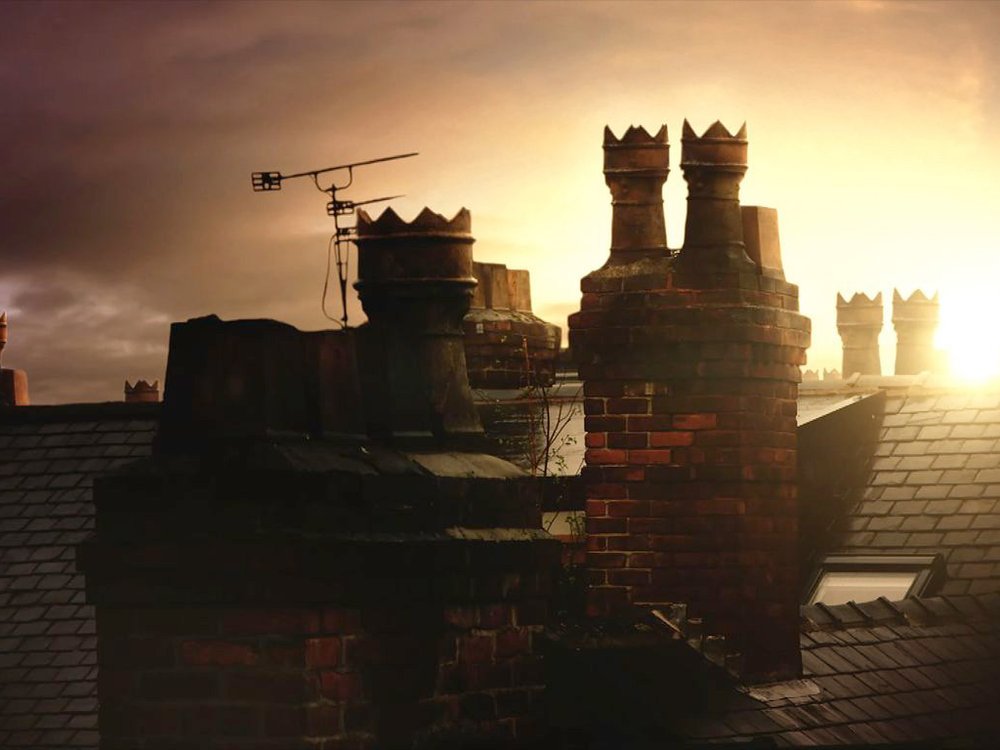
{"type": "Point", "coordinates": [840, 588]}
{"type": "Point", "coordinates": [864, 578]}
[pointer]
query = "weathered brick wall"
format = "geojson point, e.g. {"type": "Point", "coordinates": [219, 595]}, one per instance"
{"type": "Point", "coordinates": [239, 628]}
{"type": "Point", "coordinates": [691, 470]}
{"type": "Point", "coordinates": [320, 676]}
{"type": "Point", "coordinates": [260, 583]}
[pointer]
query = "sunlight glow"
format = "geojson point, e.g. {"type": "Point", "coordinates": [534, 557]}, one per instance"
{"type": "Point", "coordinates": [968, 338]}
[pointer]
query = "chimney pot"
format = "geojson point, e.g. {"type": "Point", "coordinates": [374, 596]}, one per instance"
{"type": "Point", "coordinates": [859, 323]}
{"type": "Point", "coordinates": [761, 239]}
{"type": "Point", "coordinates": [3, 332]}
{"type": "Point", "coordinates": [13, 383]}
{"type": "Point", "coordinates": [713, 166]}
{"type": "Point", "coordinates": [915, 320]}
{"type": "Point", "coordinates": [635, 168]}
{"type": "Point", "coordinates": [415, 283]}
{"type": "Point", "coordinates": [142, 392]}
{"type": "Point", "coordinates": [519, 289]}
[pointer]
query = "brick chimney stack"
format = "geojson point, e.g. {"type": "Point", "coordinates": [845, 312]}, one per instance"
{"type": "Point", "coordinates": [635, 168]}
{"type": "Point", "coordinates": [859, 323]}
{"type": "Point", "coordinates": [506, 345]}
{"type": "Point", "coordinates": [275, 577]}
{"type": "Point", "coordinates": [915, 320]}
{"type": "Point", "coordinates": [13, 383]}
{"type": "Point", "coordinates": [415, 283]}
{"type": "Point", "coordinates": [691, 368]}
{"type": "Point", "coordinates": [142, 392]}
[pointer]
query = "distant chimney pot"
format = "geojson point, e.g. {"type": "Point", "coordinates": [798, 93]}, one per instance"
{"type": "Point", "coordinates": [506, 345]}
{"type": "Point", "coordinates": [3, 332]}
{"type": "Point", "coordinates": [859, 322]}
{"type": "Point", "coordinates": [142, 392]}
{"type": "Point", "coordinates": [13, 383]}
{"type": "Point", "coordinates": [915, 320]}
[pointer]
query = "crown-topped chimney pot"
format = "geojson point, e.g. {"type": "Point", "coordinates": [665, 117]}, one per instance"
{"type": "Point", "coordinates": [859, 323]}
{"type": "Point", "coordinates": [415, 283]}
{"type": "Point", "coordinates": [142, 392]}
{"type": "Point", "coordinates": [635, 168]}
{"type": "Point", "coordinates": [713, 166]}
{"type": "Point", "coordinates": [915, 320]}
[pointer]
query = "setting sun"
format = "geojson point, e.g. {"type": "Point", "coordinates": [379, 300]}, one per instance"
{"type": "Point", "coordinates": [966, 340]}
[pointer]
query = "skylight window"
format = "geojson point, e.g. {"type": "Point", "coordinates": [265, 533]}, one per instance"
{"type": "Point", "coordinates": [844, 578]}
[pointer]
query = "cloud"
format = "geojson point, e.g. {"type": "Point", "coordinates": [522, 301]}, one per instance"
{"type": "Point", "coordinates": [130, 131]}
{"type": "Point", "coordinates": [101, 337]}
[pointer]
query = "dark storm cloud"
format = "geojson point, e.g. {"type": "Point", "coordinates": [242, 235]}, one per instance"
{"type": "Point", "coordinates": [85, 339]}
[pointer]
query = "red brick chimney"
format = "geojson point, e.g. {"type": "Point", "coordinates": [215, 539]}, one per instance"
{"type": "Point", "coordinates": [859, 323]}
{"type": "Point", "coordinates": [13, 383]}
{"type": "Point", "coordinates": [915, 320]}
{"type": "Point", "coordinates": [690, 367]}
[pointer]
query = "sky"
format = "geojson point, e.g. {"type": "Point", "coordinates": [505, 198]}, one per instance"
{"type": "Point", "coordinates": [128, 133]}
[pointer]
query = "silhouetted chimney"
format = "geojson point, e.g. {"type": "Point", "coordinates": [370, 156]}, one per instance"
{"type": "Point", "coordinates": [415, 283]}
{"type": "Point", "coordinates": [859, 323]}
{"type": "Point", "coordinates": [13, 383]}
{"type": "Point", "coordinates": [635, 169]}
{"type": "Point", "coordinates": [142, 392]}
{"type": "Point", "coordinates": [690, 369]}
{"type": "Point", "coordinates": [915, 320]}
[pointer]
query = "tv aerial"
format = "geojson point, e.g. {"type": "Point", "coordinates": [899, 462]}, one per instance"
{"type": "Point", "coordinates": [338, 209]}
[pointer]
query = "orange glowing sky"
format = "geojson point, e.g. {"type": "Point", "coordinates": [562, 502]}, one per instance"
{"type": "Point", "coordinates": [129, 133]}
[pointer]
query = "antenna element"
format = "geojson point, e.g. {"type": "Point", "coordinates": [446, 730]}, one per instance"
{"type": "Point", "coordinates": [263, 182]}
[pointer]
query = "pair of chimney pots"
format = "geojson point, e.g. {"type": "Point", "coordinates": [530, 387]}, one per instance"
{"type": "Point", "coordinates": [859, 323]}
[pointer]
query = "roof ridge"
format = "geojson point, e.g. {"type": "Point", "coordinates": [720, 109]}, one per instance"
{"type": "Point", "coordinates": [83, 412]}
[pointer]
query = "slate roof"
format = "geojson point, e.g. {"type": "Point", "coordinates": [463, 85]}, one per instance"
{"type": "Point", "coordinates": [49, 456]}
{"type": "Point", "coordinates": [912, 672]}
{"type": "Point", "coordinates": [908, 672]}
{"type": "Point", "coordinates": [934, 487]}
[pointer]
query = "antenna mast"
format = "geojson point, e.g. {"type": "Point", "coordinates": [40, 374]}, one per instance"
{"type": "Point", "coordinates": [342, 236]}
